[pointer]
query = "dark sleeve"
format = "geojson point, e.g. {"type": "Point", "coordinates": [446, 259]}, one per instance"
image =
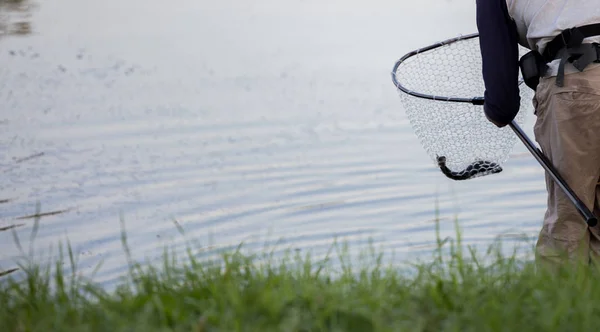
{"type": "Point", "coordinates": [498, 39]}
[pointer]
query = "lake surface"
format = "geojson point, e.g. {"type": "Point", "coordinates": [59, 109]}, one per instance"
{"type": "Point", "coordinates": [264, 122]}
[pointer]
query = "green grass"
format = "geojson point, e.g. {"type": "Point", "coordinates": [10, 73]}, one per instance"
{"type": "Point", "coordinates": [454, 291]}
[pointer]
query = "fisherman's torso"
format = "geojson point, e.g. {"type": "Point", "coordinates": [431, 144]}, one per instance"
{"type": "Point", "coordinates": [538, 21]}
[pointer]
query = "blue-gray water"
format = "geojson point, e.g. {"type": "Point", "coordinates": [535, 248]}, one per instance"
{"type": "Point", "coordinates": [245, 121]}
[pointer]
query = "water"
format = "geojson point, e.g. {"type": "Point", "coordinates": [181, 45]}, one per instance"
{"type": "Point", "coordinates": [264, 122]}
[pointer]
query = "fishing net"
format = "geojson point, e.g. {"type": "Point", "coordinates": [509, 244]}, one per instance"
{"type": "Point", "coordinates": [441, 89]}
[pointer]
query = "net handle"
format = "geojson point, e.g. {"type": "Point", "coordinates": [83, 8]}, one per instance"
{"type": "Point", "coordinates": [585, 213]}
{"type": "Point", "coordinates": [474, 100]}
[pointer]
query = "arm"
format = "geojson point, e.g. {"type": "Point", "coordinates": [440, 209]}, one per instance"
{"type": "Point", "coordinates": [499, 50]}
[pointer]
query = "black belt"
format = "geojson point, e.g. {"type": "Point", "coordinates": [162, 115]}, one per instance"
{"type": "Point", "coordinates": [568, 47]}
{"type": "Point", "coordinates": [569, 38]}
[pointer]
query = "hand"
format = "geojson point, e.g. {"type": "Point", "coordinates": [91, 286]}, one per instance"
{"type": "Point", "coordinates": [497, 124]}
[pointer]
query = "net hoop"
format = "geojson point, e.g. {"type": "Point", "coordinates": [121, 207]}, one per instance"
{"type": "Point", "coordinates": [474, 100]}
{"type": "Point", "coordinates": [455, 133]}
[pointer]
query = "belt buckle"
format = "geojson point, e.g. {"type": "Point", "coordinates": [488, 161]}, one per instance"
{"type": "Point", "coordinates": [567, 33]}
{"type": "Point", "coordinates": [574, 37]}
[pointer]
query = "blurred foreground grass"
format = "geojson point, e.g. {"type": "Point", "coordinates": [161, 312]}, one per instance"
{"type": "Point", "coordinates": [454, 291]}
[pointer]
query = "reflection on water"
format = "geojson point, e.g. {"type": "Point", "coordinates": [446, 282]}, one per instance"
{"type": "Point", "coordinates": [15, 17]}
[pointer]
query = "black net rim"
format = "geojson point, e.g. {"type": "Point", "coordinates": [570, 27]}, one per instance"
{"type": "Point", "coordinates": [476, 100]}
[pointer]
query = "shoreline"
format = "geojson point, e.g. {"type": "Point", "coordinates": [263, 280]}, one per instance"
{"type": "Point", "coordinates": [453, 291]}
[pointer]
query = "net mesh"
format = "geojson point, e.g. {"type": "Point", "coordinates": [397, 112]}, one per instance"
{"type": "Point", "coordinates": [456, 135]}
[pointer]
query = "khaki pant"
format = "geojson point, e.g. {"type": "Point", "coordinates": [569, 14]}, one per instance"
{"type": "Point", "coordinates": [567, 129]}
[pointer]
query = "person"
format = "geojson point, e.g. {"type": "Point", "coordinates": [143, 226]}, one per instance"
{"type": "Point", "coordinates": [562, 37]}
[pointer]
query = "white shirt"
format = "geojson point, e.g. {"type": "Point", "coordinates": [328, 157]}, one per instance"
{"type": "Point", "coordinates": [539, 21]}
